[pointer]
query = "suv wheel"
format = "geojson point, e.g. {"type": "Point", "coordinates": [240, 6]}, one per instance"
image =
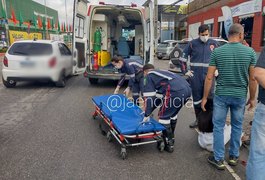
{"type": "Point", "coordinates": [62, 80]}
{"type": "Point", "coordinates": [9, 84]}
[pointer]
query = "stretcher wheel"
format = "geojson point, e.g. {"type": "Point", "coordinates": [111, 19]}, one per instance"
{"type": "Point", "coordinates": [161, 146]}
{"type": "Point", "coordinates": [102, 131]}
{"type": "Point", "coordinates": [123, 153]}
{"type": "Point", "coordinates": [109, 136]}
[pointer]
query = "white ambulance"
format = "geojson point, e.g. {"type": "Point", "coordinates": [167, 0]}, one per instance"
{"type": "Point", "coordinates": [102, 31]}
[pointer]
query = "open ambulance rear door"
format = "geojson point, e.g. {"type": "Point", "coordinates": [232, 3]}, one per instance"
{"type": "Point", "coordinates": [149, 31]}
{"type": "Point", "coordinates": [80, 36]}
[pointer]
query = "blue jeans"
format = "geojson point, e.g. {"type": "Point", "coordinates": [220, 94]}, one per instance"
{"type": "Point", "coordinates": [256, 159]}
{"type": "Point", "coordinates": [220, 108]}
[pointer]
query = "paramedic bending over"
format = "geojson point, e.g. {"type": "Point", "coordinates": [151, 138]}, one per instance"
{"type": "Point", "coordinates": [134, 70]}
{"type": "Point", "coordinates": [169, 92]}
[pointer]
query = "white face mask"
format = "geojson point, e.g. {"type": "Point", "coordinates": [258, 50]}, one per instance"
{"type": "Point", "coordinates": [204, 38]}
{"type": "Point", "coordinates": [118, 66]}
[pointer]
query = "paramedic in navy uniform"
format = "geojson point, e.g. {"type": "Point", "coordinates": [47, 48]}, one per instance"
{"type": "Point", "coordinates": [199, 50]}
{"type": "Point", "coordinates": [134, 70]}
{"type": "Point", "coordinates": [168, 91]}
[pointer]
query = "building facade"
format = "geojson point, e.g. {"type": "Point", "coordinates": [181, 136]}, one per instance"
{"type": "Point", "coordinates": [248, 13]}
{"type": "Point", "coordinates": [26, 19]}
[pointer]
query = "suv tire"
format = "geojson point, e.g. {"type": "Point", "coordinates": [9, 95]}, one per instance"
{"type": "Point", "coordinates": [62, 80]}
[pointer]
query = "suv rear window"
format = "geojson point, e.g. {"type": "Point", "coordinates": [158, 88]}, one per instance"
{"type": "Point", "coordinates": [30, 49]}
{"type": "Point", "coordinates": [163, 44]}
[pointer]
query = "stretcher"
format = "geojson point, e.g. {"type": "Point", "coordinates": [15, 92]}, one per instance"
{"type": "Point", "coordinates": [124, 122]}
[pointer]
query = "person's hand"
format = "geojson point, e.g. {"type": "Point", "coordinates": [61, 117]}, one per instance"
{"type": "Point", "coordinates": [251, 104]}
{"type": "Point", "coordinates": [216, 73]}
{"type": "Point", "coordinates": [189, 73]}
{"type": "Point", "coordinates": [146, 119]}
{"type": "Point", "coordinates": [203, 103]}
{"type": "Point", "coordinates": [127, 91]}
{"type": "Point", "coordinates": [116, 90]}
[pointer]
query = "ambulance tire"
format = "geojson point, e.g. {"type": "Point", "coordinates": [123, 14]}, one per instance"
{"type": "Point", "coordinates": [93, 81]}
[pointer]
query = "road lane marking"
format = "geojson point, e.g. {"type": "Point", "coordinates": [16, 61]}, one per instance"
{"type": "Point", "coordinates": [227, 166]}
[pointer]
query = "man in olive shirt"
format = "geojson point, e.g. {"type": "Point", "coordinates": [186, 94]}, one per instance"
{"type": "Point", "coordinates": [235, 64]}
{"type": "Point", "coordinates": [256, 161]}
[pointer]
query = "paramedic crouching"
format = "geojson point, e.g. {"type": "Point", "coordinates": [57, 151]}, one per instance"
{"type": "Point", "coordinates": [169, 92]}
{"type": "Point", "coordinates": [134, 70]}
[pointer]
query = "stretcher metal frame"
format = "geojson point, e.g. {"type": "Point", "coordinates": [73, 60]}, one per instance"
{"type": "Point", "coordinates": [124, 140]}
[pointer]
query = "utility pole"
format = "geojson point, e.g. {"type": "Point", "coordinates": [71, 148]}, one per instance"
{"type": "Point", "coordinates": [155, 25]}
{"type": "Point", "coordinates": [66, 18]}
{"type": "Point", "coordinates": [45, 9]}
{"type": "Point", "coordinates": [6, 24]}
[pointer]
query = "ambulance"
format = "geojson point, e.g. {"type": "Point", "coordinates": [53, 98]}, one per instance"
{"type": "Point", "coordinates": [102, 31]}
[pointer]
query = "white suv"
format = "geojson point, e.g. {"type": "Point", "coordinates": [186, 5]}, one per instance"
{"type": "Point", "coordinates": [32, 60]}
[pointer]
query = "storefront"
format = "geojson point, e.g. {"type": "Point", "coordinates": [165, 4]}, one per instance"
{"type": "Point", "coordinates": [250, 14]}
{"type": "Point", "coordinates": [27, 19]}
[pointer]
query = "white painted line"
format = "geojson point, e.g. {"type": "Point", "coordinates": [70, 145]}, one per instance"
{"type": "Point", "coordinates": [229, 168]}
{"type": "Point", "coordinates": [232, 172]}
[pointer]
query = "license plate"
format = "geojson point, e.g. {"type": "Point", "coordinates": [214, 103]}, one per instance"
{"type": "Point", "coordinates": [27, 64]}
{"type": "Point", "coordinates": [160, 54]}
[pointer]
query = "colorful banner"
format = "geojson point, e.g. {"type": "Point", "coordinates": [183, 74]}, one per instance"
{"type": "Point", "coordinates": [20, 35]}
{"type": "Point", "coordinates": [228, 19]}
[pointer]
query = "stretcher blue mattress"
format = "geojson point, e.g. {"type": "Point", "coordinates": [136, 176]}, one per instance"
{"type": "Point", "coordinates": [125, 116]}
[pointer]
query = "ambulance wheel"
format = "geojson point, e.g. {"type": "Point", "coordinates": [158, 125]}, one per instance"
{"type": "Point", "coordinates": [161, 146]}
{"type": "Point", "coordinates": [109, 136]}
{"type": "Point", "coordinates": [93, 81]}
{"type": "Point", "coordinates": [123, 153]}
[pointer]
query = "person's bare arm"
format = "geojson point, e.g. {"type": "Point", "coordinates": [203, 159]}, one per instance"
{"type": "Point", "coordinates": [208, 85]}
{"type": "Point", "coordinates": [252, 88]}
{"type": "Point", "coordinates": [259, 75]}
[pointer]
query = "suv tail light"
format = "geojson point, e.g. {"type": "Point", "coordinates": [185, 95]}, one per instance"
{"type": "Point", "coordinates": [52, 62]}
{"type": "Point", "coordinates": [5, 61]}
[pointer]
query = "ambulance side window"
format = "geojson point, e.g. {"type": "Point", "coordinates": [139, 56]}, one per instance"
{"type": "Point", "coordinates": [79, 24]}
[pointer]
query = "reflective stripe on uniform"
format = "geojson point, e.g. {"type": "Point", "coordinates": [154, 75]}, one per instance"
{"type": "Point", "coordinates": [199, 64]}
{"type": "Point", "coordinates": [136, 63]}
{"type": "Point", "coordinates": [197, 102]}
{"type": "Point", "coordinates": [183, 59]}
{"type": "Point", "coordinates": [149, 94]}
{"type": "Point", "coordinates": [159, 95]}
{"type": "Point", "coordinates": [161, 75]}
{"type": "Point", "coordinates": [162, 121]}
{"type": "Point", "coordinates": [135, 94]}
{"type": "Point", "coordinates": [175, 117]}
{"type": "Point", "coordinates": [132, 75]}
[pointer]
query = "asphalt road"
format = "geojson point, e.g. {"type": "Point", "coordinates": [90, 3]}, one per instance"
{"type": "Point", "coordinates": [48, 133]}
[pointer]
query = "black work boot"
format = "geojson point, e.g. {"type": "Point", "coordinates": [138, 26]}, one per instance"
{"type": "Point", "coordinates": [197, 110]}
{"type": "Point", "coordinates": [173, 125]}
{"type": "Point", "coordinates": [170, 146]}
{"type": "Point", "coordinates": [168, 138]}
